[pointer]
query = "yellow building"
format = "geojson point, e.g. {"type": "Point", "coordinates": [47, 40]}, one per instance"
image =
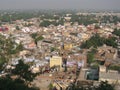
{"type": "Point", "coordinates": [67, 24]}
{"type": "Point", "coordinates": [68, 46]}
{"type": "Point", "coordinates": [56, 61]}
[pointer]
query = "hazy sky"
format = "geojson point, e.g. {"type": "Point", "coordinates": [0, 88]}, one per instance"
{"type": "Point", "coordinates": [60, 4]}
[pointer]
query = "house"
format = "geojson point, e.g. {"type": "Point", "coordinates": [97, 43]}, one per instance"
{"type": "Point", "coordinates": [24, 52]}
{"type": "Point", "coordinates": [4, 29]}
{"type": "Point", "coordinates": [56, 61]}
{"type": "Point", "coordinates": [111, 76]}
{"type": "Point", "coordinates": [81, 59]}
{"type": "Point", "coordinates": [106, 53]}
{"type": "Point", "coordinates": [68, 46]}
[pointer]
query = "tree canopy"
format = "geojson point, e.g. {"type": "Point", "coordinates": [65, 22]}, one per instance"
{"type": "Point", "coordinates": [117, 32]}
{"type": "Point", "coordinates": [23, 74]}
{"type": "Point", "coordinates": [36, 37]}
{"type": "Point", "coordinates": [96, 41]}
{"type": "Point", "coordinates": [84, 19]}
{"type": "Point", "coordinates": [8, 48]}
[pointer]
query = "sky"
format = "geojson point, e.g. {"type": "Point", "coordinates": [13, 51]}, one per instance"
{"type": "Point", "coordinates": [61, 4]}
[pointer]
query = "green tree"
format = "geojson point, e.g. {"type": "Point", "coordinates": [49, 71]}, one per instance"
{"type": "Point", "coordinates": [45, 23]}
{"type": "Point", "coordinates": [39, 38]}
{"type": "Point", "coordinates": [114, 67]}
{"type": "Point", "coordinates": [36, 37]}
{"type": "Point", "coordinates": [116, 32]}
{"type": "Point", "coordinates": [111, 42]}
{"type": "Point", "coordinates": [22, 80]}
{"type": "Point", "coordinates": [50, 86]}
{"type": "Point", "coordinates": [52, 49]}
{"type": "Point", "coordinates": [90, 58]}
{"type": "Point", "coordinates": [96, 41]}
{"type": "Point", "coordinates": [8, 48]}
{"type": "Point", "coordinates": [17, 28]}
{"type": "Point", "coordinates": [105, 86]}
{"type": "Point", "coordinates": [7, 83]}
{"type": "Point", "coordinates": [23, 72]}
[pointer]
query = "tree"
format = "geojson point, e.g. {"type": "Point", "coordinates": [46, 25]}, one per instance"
{"type": "Point", "coordinates": [111, 42]}
{"type": "Point", "coordinates": [45, 23]}
{"type": "Point", "coordinates": [50, 86]}
{"type": "Point", "coordinates": [23, 72]}
{"type": "Point", "coordinates": [17, 28]}
{"type": "Point", "coordinates": [36, 37]}
{"type": "Point", "coordinates": [21, 82]}
{"type": "Point", "coordinates": [39, 38]}
{"type": "Point", "coordinates": [8, 48]}
{"type": "Point", "coordinates": [8, 16]}
{"type": "Point", "coordinates": [96, 41]}
{"type": "Point", "coordinates": [90, 58]}
{"type": "Point", "coordinates": [7, 83]}
{"type": "Point", "coordinates": [114, 67]}
{"type": "Point", "coordinates": [105, 86]}
{"type": "Point", "coordinates": [52, 49]}
{"type": "Point", "coordinates": [83, 19]}
{"type": "Point", "coordinates": [97, 27]}
{"type": "Point", "coordinates": [116, 32]}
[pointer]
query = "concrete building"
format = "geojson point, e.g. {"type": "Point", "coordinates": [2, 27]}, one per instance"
{"type": "Point", "coordinates": [111, 76]}
{"type": "Point", "coordinates": [68, 46]}
{"type": "Point", "coordinates": [56, 61]}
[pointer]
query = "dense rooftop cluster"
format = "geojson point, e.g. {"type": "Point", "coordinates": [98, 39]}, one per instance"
{"type": "Point", "coordinates": [62, 49]}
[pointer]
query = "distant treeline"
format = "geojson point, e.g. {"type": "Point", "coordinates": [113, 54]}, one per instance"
{"type": "Point", "coordinates": [58, 17]}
